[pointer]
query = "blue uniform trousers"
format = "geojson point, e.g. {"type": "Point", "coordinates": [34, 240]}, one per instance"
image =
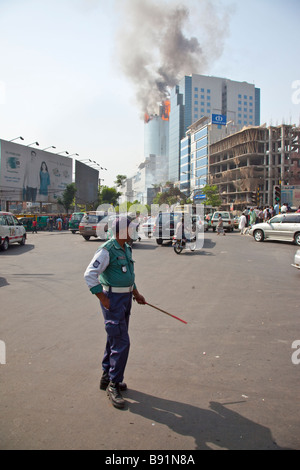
{"type": "Point", "coordinates": [116, 321]}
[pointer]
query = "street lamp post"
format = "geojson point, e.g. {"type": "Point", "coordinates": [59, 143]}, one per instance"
{"type": "Point", "coordinates": [51, 147]}
{"type": "Point", "coordinates": [16, 138]}
{"type": "Point", "coordinates": [33, 143]}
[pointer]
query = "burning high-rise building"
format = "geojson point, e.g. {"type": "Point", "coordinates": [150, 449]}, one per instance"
{"type": "Point", "coordinates": [156, 141]}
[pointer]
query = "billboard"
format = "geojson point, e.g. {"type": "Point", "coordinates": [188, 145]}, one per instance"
{"type": "Point", "coordinates": [290, 195]}
{"type": "Point", "coordinates": [219, 119]}
{"type": "Point", "coordinates": [32, 175]}
{"type": "Point", "coordinates": [86, 182]}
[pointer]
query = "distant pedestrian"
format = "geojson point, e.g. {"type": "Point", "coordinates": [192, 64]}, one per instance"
{"type": "Point", "coordinates": [59, 223]}
{"type": "Point", "coordinates": [51, 224]}
{"type": "Point", "coordinates": [284, 208]}
{"type": "Point", "coordinates": [252, 217]}
{"type": "Point", "coordinates": [220, 226]}
{"type": "Point", "coordinates": [243, 224]}
{"type": "Point", "coordinates": [267, 214]}
{"type": "Point", "coordinates": [34, 226]}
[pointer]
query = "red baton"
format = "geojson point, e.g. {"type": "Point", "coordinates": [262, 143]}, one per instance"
{"type": "Point", "coordinates": [167, 313]}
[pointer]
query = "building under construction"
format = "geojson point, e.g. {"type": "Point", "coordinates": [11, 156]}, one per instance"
{"type": "Point", "coordinates": [248, 164]}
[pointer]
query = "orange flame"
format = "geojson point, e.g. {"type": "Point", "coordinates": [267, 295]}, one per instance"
{"type": "Point", "coordinates": [166, 108]}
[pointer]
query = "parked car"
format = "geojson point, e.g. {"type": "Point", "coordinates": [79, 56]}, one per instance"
{"type": "Point", "coordinates": [297, 260]}
{"type": "Point", "coordinates": [228, 220]}
{"type": "Point", "coordinates": [11, 230]}
{"type": "Point", "coordinates": [88, 224]}
{"type": "Point", "coordinates": [74, 221]}
{"type": "Point", "coordinates": [284, 227]}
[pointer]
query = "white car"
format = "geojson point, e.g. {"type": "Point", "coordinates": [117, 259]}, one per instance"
{"type": "Point", "coordinates": [11, 230]}
{"type": "Point", "coordinates": [297, 260]}
{"type": "Point", "coordinates": [284, 227]}
{"type": "Point", "coordinates": [228, 220]}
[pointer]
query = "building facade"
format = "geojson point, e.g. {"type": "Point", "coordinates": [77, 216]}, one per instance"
{"type": "Point", "coordinates": [197, 96]}
{"type": "Point", "coordinates": [194, 154]}
{"type": "Point", "coordinates": [248, 164]}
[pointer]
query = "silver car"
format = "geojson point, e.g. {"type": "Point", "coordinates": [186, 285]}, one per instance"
{"type": "Point", "coordinates": [297, 260]}
{"type": "Point", "coordinates": [285, 227]}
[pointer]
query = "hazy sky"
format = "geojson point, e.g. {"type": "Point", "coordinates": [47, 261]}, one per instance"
{"type": "Point", "coordinates": [63, 76]}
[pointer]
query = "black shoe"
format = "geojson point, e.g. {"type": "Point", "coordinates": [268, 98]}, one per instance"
{"type": "Point", "coordinates": [113, 391]}
{"type": "Point", "coordinates": [104, 382]}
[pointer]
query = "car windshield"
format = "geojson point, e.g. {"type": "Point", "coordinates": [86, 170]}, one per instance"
{"type": "Point", "coordinates": [224, 215]}
{"type": "Point", "coordinates": [76, 217]}
{"type": "Point", "coordinates": [92, 218]}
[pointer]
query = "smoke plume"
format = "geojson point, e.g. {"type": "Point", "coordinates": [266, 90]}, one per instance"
{"type": "Point", "coordinates": [155, 49]}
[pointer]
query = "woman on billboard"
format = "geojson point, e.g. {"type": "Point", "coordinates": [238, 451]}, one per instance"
{"type": "Point", "coordinates": [44, 179]}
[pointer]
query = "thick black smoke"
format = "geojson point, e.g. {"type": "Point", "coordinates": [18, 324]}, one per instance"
{"type": "Point", "coordinates": [155, 49]}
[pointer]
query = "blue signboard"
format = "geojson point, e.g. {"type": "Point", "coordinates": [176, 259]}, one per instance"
{"type": "Point", "coordinates": [200, 196]}
{"type": "Point", "coordinates": [219, 119]}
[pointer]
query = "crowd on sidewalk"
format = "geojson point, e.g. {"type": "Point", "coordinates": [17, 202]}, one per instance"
{"type": "Point", "coordinates": [258, 215]}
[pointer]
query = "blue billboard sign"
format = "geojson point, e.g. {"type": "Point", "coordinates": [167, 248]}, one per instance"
{"type": "Point", "coordinates": [219, 119]}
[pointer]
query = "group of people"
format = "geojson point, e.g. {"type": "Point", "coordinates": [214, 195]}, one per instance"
{"type": "Point", "coordinates": [57, 222]}
{"type": "Point", "coordinates": [258, 215]}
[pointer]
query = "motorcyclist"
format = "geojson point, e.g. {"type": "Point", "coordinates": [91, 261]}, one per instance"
{"type": "Point", "coordinates": [184, 229]}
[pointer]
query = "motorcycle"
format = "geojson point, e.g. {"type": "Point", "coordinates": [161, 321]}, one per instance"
{"type": "Point", "coordinates": [179, 244]}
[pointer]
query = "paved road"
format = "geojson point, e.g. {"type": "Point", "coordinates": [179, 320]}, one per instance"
{"type": "Point", "coordinates": [223, 381]}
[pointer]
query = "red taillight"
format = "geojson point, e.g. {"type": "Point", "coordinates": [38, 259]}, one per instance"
{"type": "Point", "coordinates": [94, 227]}
{"type": "Point", "coordinates": [229, 222]}
{"type": "Point", "coordinates": [80, 227]}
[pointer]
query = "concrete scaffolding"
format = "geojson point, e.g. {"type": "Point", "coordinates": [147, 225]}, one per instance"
{"type": "Point", "coordinates": [253, 160]}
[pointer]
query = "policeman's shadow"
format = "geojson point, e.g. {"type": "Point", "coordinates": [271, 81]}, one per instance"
{"type": "Point", "coordinates": [217, 427]}
{"type": "Point", "coordinates": [3, 282]}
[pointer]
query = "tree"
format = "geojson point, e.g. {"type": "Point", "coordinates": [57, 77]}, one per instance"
{"type": "Point", "coordinates": [170, 197]}
{"type": "Point", "coordinates": [67, 199]}
{"type": "Point", "coordinates": [212, 195]}
{"type": "Point", "coordinates": [120, 180]}
{"type": "Point", "coordinates": [108, 196]}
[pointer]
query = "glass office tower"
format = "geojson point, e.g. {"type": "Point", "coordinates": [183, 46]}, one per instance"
{"type": "Point", "coordinates": [197, 96]}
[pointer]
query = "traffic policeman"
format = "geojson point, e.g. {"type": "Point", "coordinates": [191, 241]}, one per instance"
{"type": "Point", "coordinates": [110, 276]}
